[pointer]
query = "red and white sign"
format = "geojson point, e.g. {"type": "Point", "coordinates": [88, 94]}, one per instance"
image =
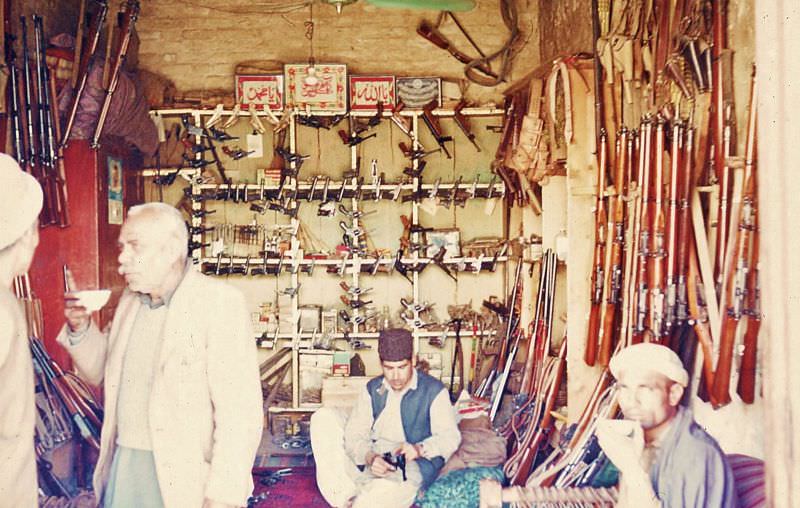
{"type": "Point", "coordinates": [261, 90]}
{"type": "Point", "coordinates": [367, 91]}
{"type": "Point", "coordinates": [321, 87]}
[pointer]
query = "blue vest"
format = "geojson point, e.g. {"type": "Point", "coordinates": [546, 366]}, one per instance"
{"type": "Point", "coordinates": [415, 413]}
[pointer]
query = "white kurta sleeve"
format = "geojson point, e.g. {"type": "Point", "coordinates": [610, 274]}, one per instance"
{"type": "Point", "coordinates": [357, 433]}
{"type": "Point", "coordinates": [445, 436]}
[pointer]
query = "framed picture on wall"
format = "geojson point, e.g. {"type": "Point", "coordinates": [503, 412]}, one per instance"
{"type": "Point", "coordinates": [367, 91]}
{"type": "Point", "coordinates": [316, 88]}
{"type": "Point", "coordinates": [449, 239]}
{"type": "Point", "coordinates": [264, 90]}
{"type": "Point", "coordinates": [417, 92]}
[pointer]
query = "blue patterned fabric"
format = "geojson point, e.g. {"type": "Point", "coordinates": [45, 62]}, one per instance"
{"type": "Point", "coordinates": [459, 488]}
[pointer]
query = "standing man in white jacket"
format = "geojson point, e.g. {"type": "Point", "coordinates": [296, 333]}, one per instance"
{"type": "Point", "coordinates": [20, 204]}
{"type": "Point", "coordinates": [183, 402]}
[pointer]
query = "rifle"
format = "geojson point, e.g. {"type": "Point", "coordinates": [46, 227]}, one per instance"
{"type": "Point", "coordinates": [354, 138]}
{"type": "Point", "coordinates": [463, 123]}
{"type": "Point", "coordinates": [671, 297]}
{"type": "Point", "coordinates": [723, 211]}
{"type": "Point", "coordinates": [83, 66]}
{"type": "Point", "coordinates": [48, 130]}
{"type": "Point", "coordinates": [698, 318]}
{"type": "Point", "coordinates": [433, 35]}
{"type": "Point", "coordinates": [639, 302]}
{"type": "Point", "coordinates": [87, 422]}
{"type": "Point", "coordinates": [433, 125]}
{"type": "Point", "coordinates": [505, 360]}
{"type": "Point", "coordinates": [616, 237]}
{"type": "Point", "coordinates": [655, 267]}
{"type": "Point", "coordinates": [34, 159]}
{"type": "Point", "coordinates": [458, 358]}
{"type": "Point", "coordinates": [747, 369]}
{"type": "Point", "coordinates": [15, 112]}
{"type": "Point", "coordinates": [131, 13]}
{"type": "Point", "coordinates": [736, 274]}
{"type": "Point", "coordinates": [539, 340]}
{"type": "Point", "coordinates": [684, 225]}
{"type": "Point", "coordinates": [598, 279]}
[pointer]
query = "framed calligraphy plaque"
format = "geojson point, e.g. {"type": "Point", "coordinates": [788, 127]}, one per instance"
{"type": "Point", "coordinates": [367, 91]}
{"type": "Point", "coordinates": [321, 87]}
{"type": "Point", "coordinates": [261, 90]}
{"type": "Point", "coordinates": [417, 92]}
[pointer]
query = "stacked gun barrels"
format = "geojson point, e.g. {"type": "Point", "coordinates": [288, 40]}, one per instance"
{"type": "Point", "coordinates": [34, 122]}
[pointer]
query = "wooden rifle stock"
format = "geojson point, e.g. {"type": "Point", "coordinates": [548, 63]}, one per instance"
{"type": "Point", "coordinates": [747, 370]}
{"type": "Point", "coordinates": [737, 271]}
{"type": "Point", "coordinates": [128, 22]}
{"type": "Point", "coordinates": [698, 318]}
{"type": "Point", "coordinates": [616, 237]}
{"type": "Point", "coordinates": [432, 35]}
{"type": "Point", "coordinates": [597, 282]}
{"type": "Point", "coordinates": [543, 427]}
{"type": "Point", "coordinates": [655, 271]}
{"type": "Point", "coordinates": [83, 66]}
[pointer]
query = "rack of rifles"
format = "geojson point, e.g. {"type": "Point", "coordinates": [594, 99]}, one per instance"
{"type": "Point", "coordinates": [676, 248]}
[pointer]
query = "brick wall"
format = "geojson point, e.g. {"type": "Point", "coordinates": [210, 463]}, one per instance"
{"type": "Point", "coordinates": [58, 15]}
{"type": "Point", "coordinates": [198, 47]}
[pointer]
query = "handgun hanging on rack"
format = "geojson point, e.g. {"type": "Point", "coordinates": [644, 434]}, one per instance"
{"type": "Point", "coordinates": [436, 129]}
{"type": "Point", "coordinates": [354, 138]}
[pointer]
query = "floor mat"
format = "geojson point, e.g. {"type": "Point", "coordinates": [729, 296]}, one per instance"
{"type": "Point", "coordinates": [296, 489]}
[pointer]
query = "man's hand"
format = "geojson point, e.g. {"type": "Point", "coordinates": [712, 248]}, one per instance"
{"type": "Point", "coordinates": [623, 443]}
{"type": "Point", "coordinates": [77, 317]}
{"type": "Point", "coordinates": [380, 467]}
{"type": "Point", "coordinates": [411, 451]}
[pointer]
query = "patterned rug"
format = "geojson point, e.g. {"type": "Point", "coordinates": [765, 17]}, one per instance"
{"type": "Point", "coordinates": [297, 489]}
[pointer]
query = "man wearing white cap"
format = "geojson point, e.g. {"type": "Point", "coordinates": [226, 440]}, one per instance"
{"type": "Point", "coordinates": [20, 204]}
{"type": "Point", "coordinates": [664, 457]}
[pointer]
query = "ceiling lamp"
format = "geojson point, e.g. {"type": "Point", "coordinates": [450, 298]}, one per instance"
{"type": "Point", "coordinates": [432, 5]}
{"type": "Point", "coordinates": [339, 4]}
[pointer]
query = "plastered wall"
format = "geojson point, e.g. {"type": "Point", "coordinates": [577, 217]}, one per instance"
{"type": "Point", "coordinates": [197, 43]}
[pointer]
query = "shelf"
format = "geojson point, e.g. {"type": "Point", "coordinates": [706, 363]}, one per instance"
{"type": "Point", "coordinates": [242, 193]}
{"type": "Point", "coordinates": [442, 112]}
{"type": "Point", "coordinates": [305, 337]}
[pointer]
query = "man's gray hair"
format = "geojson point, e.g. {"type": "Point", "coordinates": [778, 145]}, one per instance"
{"type": "Point", "coordinates": [168, 220]}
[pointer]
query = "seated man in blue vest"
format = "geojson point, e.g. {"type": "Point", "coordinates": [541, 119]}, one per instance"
{"type": "Point", "coordinates": [403, 412]}
{"type": "Point", "coordinates": [665, 458]}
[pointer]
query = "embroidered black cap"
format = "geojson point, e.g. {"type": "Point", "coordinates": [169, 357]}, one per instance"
{"type": "Point", "coordinates": [395, 344]}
